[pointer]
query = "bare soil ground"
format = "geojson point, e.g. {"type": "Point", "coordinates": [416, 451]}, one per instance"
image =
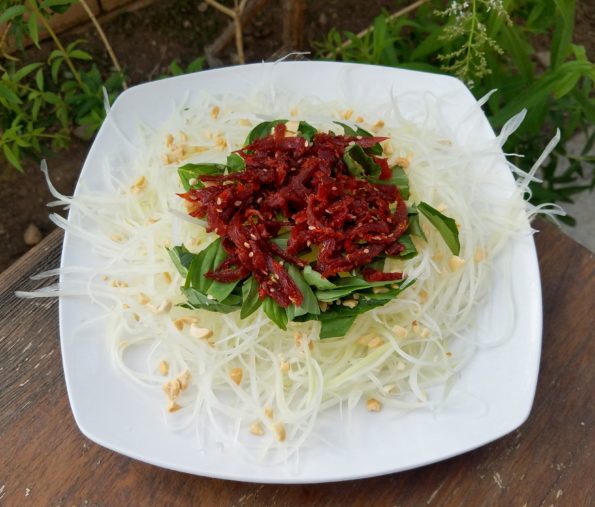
{"type": "Point", "coordinates": [146, 42]}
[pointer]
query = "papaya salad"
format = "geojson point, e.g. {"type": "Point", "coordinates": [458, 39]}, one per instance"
{"type": "Point", "coordinates": [274, 268]}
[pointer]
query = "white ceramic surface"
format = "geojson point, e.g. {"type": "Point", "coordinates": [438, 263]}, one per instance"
{"type": "Point", "coordinates": [495, 391]}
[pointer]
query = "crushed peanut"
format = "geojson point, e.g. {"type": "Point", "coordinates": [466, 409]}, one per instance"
{"type": "Point", "coordinates": [400, 331]}
{"type": "Point", "coordinates": [379, 290]}
{"type": "Point", "coordinates": [364, 339]}
{"type": "Point", "coordinates": [480, 254]}
{"type": "Point", "coordinates": [116, 237]}
{"type": "Point", "coordinates": [164, 307]}
{"type": "Point", "coordinates": [245, 122]}
{"type": "Point", "coordinates": [423, 296]}
{"type": "Point", "coordinates": [293, 111]}
{"type": "Point", "coordinates": [139, 185]}
{"type": "Point", "coordinates": [236, 375]}
{"type": "Point", "coordinates": [349, 303]}
{"type": "Point", "coordinates": [347, 114]}
{"type": "Point", "coordinates": [119, 284]}
{"type": "Point", "coordinates": [257, 429]}
{"type": "Point", "coordinates": [179, 324]}
{"type": "Point", "coordinates": [215, 112]}
{"type": "Point", "coordinates": [164, 367]}
{"type": "Point", "coordinates": [402, 162]}
{"type": "Point", "coordinates": [279, 431]}
{"type": "Point", "coordinates": [375, 342]}
{"type": "Point", "coordinates": [200, 332]}
{"type": "Point", "coordinates": [172, 389]}
{"type": "Point", "coordinates": [284, 366]}
{"type": "Point", "coordinates": [456, 262]}
{"type": "Point", "coordinates": [268, 411]}
{"type": "Point", "coordinates": [167, 277]}
{"type": "Point", "coordinates": [173, 407]}
{"type": "Point", "coordinates": [184, 379]}
{"type": "Point", "coordinates": [143, 299]}
{"type": "Point", "coordinates": [359, 119]}
{"type": "Point", "coordinates": [378, 125]}
{"type": "Point", "coordinates": [373, 405]}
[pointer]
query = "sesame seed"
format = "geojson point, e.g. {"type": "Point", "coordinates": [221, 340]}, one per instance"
{"type": "Point", "coordinates": [251, 254]}
{"type": "Point", "coordinates": [246, 244]}
{"type": "Point", "coordinates": [311, 228]}
{"type": "Point", "coordinates": [219, 201]}
{"type": "Point", "coordinates": [237, 203]}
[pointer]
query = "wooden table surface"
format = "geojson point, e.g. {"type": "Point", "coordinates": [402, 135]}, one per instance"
{"type": "Point", "coordinates": [549, 460]}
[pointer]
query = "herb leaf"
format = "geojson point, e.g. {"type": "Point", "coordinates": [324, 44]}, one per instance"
{"type": "Point", "coordinates": [360, 164]}
{"type": "Point", "coordinates": [190, 171]}
{"type": "Point", "coordinates": [262, 130]}
{"type": "Point", "coordinates": [414, 227]}
{"type": "Point", "coordinates": [306, 131]}
{"type": "Point", "coordinates": [446, 226]}
{"type": "Point", "coordinates": [181, 257]}
{"type": "Point", "coordinates": [250, 298]}
{"type": "Point", "coordinates": [235, 163]}
{"type": "Point", "coordinates": [309, 303]}
{"type": "Point", "coordinates": [410, 250]}
{"type": "Point", "coordinates": [274, 312]}
{"type": "Point", "coordinates": [358, 131]}
{"type": "Point", "coordinates": [316, 279]}
{"type": "Point", "coordinates": [199, 300]}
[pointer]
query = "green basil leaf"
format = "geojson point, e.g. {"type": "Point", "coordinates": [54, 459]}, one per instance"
{"type": "Point", "coordinates": [199, 300]}
{"type": "Point", "coordinates": [181, 257]}
{"type": "Point", "coordinates": [358, 131]}
{"type": "Point", "coordinates": [398, 178]}
{"type": "Point", "coordinates": [190, 171]}
{"type": "Point", "coordinates": [446, 226]}
{"type": "Point", "coordinates": [262, 130]}
{"type": "Point", "coordinates": [348, 285]}
{"type": "Point", "coordinates": [410, 250]}
{"type": "Point", "coordinates": [202, 262]}
{"type": "Point", "coordinates": [309, 302]}
{"type": "Point", "coordinates": [220, 290]}
{"type": "Point", "coordinates": [250, 298]}
{"type": "Point", "coordinates": [316, 279]}
{"type": "Point", "coordinates": [274, 312]}
{"type": "Point", "coordinates": [360, 164]}
{"type": "Point", "coordinates": [347, 130]}
{"type": "Point", "coordinates": [414, 227]}
{"type": "Point", "coordinates": [235, 163]}
{"type": "Point", "coordinates": [306, 131]}
{"type": "Point", "coordinates": [11, 12]}
{"type": "Point", "coordinates": [337, 326]}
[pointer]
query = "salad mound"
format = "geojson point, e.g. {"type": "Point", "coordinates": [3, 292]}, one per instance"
{"type": "Point", "coordinates": [304, 219]}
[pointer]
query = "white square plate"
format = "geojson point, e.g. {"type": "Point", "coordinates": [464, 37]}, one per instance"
{"type": "Point", "coordinates": [112, 411]}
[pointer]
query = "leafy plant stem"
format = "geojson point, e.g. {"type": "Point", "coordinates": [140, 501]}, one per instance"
{"type": "Point", "coordinates": [365, 31]}
{"type": "Point", "coordinates": [104, 39]}
{"type": "Point", "coordinates": [52, 34]}
{"type": "Point", "coordinates": [471, 35]}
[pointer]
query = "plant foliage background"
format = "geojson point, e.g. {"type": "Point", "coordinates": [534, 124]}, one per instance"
{"type": "Point", "coordinates": [45, 97]}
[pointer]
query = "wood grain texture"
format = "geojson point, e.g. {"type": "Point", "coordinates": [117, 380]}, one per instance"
{"type": "Point", "coordinates": [549, 460]}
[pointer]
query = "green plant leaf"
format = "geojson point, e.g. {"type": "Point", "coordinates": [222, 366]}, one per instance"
{"type": "Point", "coordinates": [360, 164]}
{"type": "Point", "coordinates": [250, 299]}
{"type": "Point", "coordinates": [197, 299]}
{"type": "Point", "coordinates": [11, 13]}
{"type": "Point", "coordinates": [410, 250]}
{"type": "Point", "coordinates": [314, 278]}
{"type": "Point", "coordinates": [9, 95]}
{"type": "Point", "coordinates": [33, 29]}
{"type": "Point", "coordinates": [274, 312]}
{"type": "Point", "coordinates": [235, 163]}
{"type": "Point", "coordinates": [309, 303]}
{"type": "Point", "coordinates": [188, 172]}
{"type": "Point", "coordinates": [25, 71]}
{"type": "Point", "coordinates": [262, 130]}
{"type": "Point", "coordinates": [182, 258]}
{"type": "Point", "coordinates": [12, 157]}
{"type": "Point", "coordinates": [79, 54]}
{"type": "Point", "coordinates": [306, 131]}
{"type": "Point", "coordinates": [446, 226]}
